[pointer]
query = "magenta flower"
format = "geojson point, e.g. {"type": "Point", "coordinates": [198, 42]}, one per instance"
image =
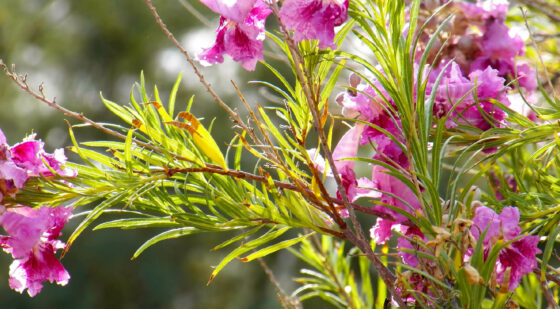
{"type": "Point", "coordinates": [395, 193]}
{"type": "Point", "coordinates": [469, 100]}
{"type": "Point", "coordinates": [32, 242]}
{"type": "Point", "coordinates": [382, 230]}
{"type": "Point", "coordinates": [409, 258]}
{"type": "Point", "coordinates": [344, 152]}
{"type": "Point", "coordinates": [12, 177]}
{"type": "Point", "coordinates": [31, 156]}
{"type": "Point", "coordinates": [314, 19]}
{"type": "Point", "coordinates": [239, 36]}
{"type": "Point", "coordinates": [486, 9]}
{"type": "Point", "coordinates": [519, 256]}
{"type": "Point", "coordinates": [235, 10]}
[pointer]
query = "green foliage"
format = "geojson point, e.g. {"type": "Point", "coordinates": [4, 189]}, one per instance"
{"type": "Point", "coordinates": [333, 276]}
{"type": "Point", "coordinates": [168, 172]}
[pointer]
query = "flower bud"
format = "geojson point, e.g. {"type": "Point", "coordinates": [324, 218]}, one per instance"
{"type": "Point", "coordinates": [473, 277]}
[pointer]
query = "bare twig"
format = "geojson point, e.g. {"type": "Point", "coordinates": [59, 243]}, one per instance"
{"type": "Point", "coordinates": [21, 81]}
{"type": "Point", "coordinates": [551, 11]}
{"type": "Point", "coordinates": [538, 53]}
{"type": "Point", "coordinates": [285, 300]}
{"type": "Point", "coordinates": [552, 304]}
{"type": "Point", "coordinates": [192, 63]}
{"type": "Point", "coordinates": [195, 13]}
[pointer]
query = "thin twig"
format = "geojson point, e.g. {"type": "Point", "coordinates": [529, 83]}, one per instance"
{"type": "Point", "coordinates": [285, 299]}
{"type": "Point", "coordinates": [21, 81]}
{"type": "Point", "coordinates": [214, 169]}
{"type": "Point", "coordinates": [312, 100]}
{"type": "Point", "coordinates": [552, 12]}
{"type": "Point", "coordinates": [312, 104]}
{"type": "Point", "coordinates": [195, 13]}
{"type": "Point", "coordinates": [538, 53]}
{"type": "Point", "coordinates": [192, 63]}
{"type": "Point", "coordinates": [549, 297]}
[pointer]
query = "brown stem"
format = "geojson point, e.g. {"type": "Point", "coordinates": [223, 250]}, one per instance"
{"type": "Point", "coordinates": [549, 297]}
{"type": "Point", "coordinates": [285, 300]}
{"type": "Point", "coordinates": [306, 82]}
{"type": "Point", "coordinates": [214, 169]}
{"type": "Point", "coordinates": [192, 63]}
{"type": "Point", "coordinates": [538, 52]}
{"type": "Point", "coordinates": [21, 81]}
{"type": "Point", "coordinates": [552, 12]}
{"type": "Point", "coordinates": [307, 87]}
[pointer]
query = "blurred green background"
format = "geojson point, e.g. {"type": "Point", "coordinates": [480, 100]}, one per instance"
{"type": "Point", "coordinates": [77, 49]}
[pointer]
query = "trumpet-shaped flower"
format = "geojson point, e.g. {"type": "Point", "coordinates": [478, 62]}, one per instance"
{"type": "Point", "coordinates": [469, 101]}
{"type": "Point", "coordinates": [238, 35]}
{"type": "Point", "coordinates": [12, 177]}
{"type": "Point", "coordinates": [519, 256]}
{"type": "Point", "coordinates": [32, 242]}
{"type": "Point", "coordinates": [31, 156]}
{"type": "Point", "coordinates": [314, 19]}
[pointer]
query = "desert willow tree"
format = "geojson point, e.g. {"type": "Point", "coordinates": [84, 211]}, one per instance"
{"type": "Point", "coordinates": [465, 182]}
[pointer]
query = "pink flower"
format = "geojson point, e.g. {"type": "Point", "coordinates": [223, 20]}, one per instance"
{"type": "Point", "coordinates": [456, 94]}
{"type": "Point", "coordinates": [409, 258]}
{"type": "Point", "coordinates": [31, 156]}
{"type": "Point", "coordinates": [361, 101]}
{"type": "Point", "coordinates": [382, 230]}
{"type": "Point", "coordinates": [32, 242]}
{"type": "Point", "coordinates": [519, 256]}
{"type": "Point", "coordinates": [314, 19]}
{"type": "Point", "coordinates": [395, 193]}
{"type": "Point", "coordinates": [235, 10]}
{"type": "Point", "coordinates": [347, 148]}
{"type": "Point", "coordinates": [12, 177]}
{"type": "Point", "coordinates": [240, 37]}
{"type": "Point", "coordinates": [486, 9]}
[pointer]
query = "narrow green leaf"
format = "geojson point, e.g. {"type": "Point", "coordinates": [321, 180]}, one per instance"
{"type": "Point", "coordinates": [171, 234]}
{"type": "Point", "coordinates": [548, 251]}
{"type": "Point", "coordinates": [271, 249]}
{"type": "Point", "coordinates": [269, 236]}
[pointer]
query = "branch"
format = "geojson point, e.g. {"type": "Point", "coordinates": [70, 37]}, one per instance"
{"type": "Point", "coordinates": [285, 300]}
{"type": "Point", "coordinates": [21, 81]}
{"type": "Point", "coordinates": [538, 52]}
{"type": "Point", "coordinates": [360, 239]}
{"type": "Point", "coordinates": [192, 62]}
{"type": "Point", "coordinates": [551, 11]}
{"type": "Point", "coordinates": [214, 169]}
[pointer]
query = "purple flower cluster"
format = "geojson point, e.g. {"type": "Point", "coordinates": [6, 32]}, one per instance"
{"type": "Point", "coordinates": [476, 71]}
{"type": "Point", "coordinates": [519, 257]}
{"type": "Point", "coordinates": [32, 233]}
{"type": "Point", "coordinates": [242, 26]}
{"type": "Point", "coordinates": [515, 260]}
{"type": "Point", "coordinates": [469, 101]}
{"type": "Point", "coordinates": [478, 38]}
{"type": "Point", "coordinates": [27, 159]}
{"type": "Point", "coordinates": [314, 19]}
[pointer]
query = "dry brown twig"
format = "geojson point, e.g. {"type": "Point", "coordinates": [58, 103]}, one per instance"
{"type": "Point", "coordinates": [21, 81]}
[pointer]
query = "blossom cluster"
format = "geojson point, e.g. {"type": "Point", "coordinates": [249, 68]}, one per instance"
{"type": "Point", "coordinates": [478, 38]}
{"type": "Point", "coordinates": [475, 71]}
{"type": "Point", "coordinates": [31, 233]}
{"type": "Point", "coordinates": [242, 26]}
